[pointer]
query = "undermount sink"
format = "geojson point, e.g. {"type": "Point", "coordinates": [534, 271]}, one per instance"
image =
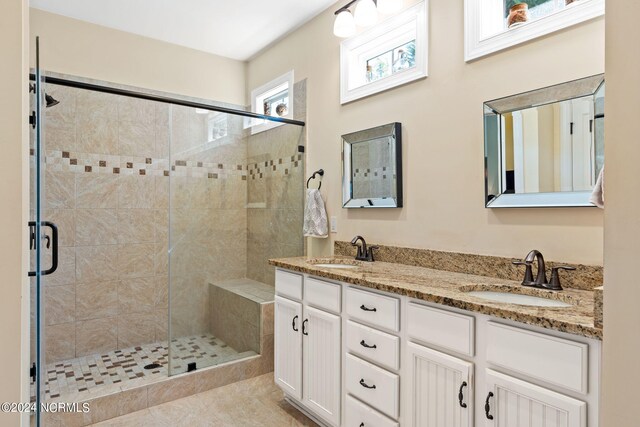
{"type": "Point", "coordinates": [520, 296]}
{"type": "Point", "coordinates": [345, 264]}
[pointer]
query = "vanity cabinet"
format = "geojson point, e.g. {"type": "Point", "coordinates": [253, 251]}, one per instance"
{"type": "Point", "coordinates": [441, 389]}
{"type": "Point", "coordinates": [308, 344]}
{"type": "Point", "coordinates": [288, 346]}
{"type": "Point", "coordinates": [321, 363]}
{"type": "Point", "coordinates": [511, 402]}
{"type": "Point", "coordinates": [352, 356]}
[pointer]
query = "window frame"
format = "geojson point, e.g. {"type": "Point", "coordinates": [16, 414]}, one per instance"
{"type": "Point", "coordinates": [267, 90]}
{"type": "Point", "coordinates": [478, 14]}
{"type": "Point", "coordinates": [385, 36]}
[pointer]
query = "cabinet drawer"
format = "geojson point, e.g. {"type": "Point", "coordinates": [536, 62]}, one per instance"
{"type": "Point", "coordinates": [289, 284]}
{"type": "Point", "coordinates": [554, 360]}
{"type": "Point", "coordinates": [374, 309]}
{"type": "Point", "coordinates": [372, 385]}
{"type": "Point", "coordinates": [321, 294]}
{"type": "Point", "coordinates": [374, 345]}
{"type": "Point", "coordinates": [442, 328]}
{"type": "Point", "coordinates": [358, 414]}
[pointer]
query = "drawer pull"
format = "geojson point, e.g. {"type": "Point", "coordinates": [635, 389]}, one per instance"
{"type": "Point", "coordinates": [293, 323]}
{"type": "Point", "coordinates": [487, 407]}
{"type": "Point", "coordinates": [304, 327]}
{"type": "Point", "coordinates": [460, 395]}
{"type": "Point", "coordinates": [365, 308]}
{"type": "Point", "coordinates": [365, 385]}
{"type": "Point", "coordinates": [361, 424]}
{"type": "Point", "coordinates": [365, 345]}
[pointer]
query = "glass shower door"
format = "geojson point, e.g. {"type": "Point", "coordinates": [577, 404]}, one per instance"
{"type": "Point", "coordinates": [235, 200]}
{"type": "Point", "coordinates": [36, 162]}
{"type": "Point", "coordinates": [207, 212]}
{"type": "Point", "coordinates": [43, 237]}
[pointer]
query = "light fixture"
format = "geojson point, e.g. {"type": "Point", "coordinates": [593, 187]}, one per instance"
{"type": "Point", "coordinates": [344, 25]}
{"type": "Point", "coordinates": [389, 6]}
{"type": "Point", "coordinates": [366, 13]}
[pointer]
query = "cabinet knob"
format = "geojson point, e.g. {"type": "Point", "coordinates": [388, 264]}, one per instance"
{"type": "Point", "coordinates": [487, 407]}
{"type": "Point", "coordinates": [461, 396]}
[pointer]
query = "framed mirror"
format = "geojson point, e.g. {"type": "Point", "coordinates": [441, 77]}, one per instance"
{"type": "Point", "coordinates": [545, 148]}
{"type": "Point", "coordinates": [372, 168]}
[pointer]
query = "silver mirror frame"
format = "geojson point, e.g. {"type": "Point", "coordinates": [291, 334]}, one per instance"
{"type": "Point", "coordinates": [492, 119]}
{"type": "Point", "coordinates": [394, 130]}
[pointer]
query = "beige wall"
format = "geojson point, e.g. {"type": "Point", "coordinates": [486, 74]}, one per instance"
{"type": "Point", "coordinates": [442, 137]}
{"type": "Point", "coordinates": [82, 49]}
{"type": "Point", "coordinates": [621, 370]}
{"type": "Point", "coordinates": [14, 170]}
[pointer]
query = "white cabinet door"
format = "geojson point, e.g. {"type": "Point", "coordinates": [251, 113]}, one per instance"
{"type": "Point", "coordinates": [288, 346]}
{"type": "Point", "coordinates": [511, 402]}
{"type": "Point", "coordinates": [322, 371]}
{"type": "Point", "coordinates": [441, 389]}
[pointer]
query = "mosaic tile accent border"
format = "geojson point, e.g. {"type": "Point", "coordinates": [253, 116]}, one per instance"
{"type": "Point", "coordinates": [66, 161]}
{"type": "Point", "coordinates": [272, 167]}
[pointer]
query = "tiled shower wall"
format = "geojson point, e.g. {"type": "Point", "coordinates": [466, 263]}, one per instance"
{"type": "Point", "coordinates": [107, 186]}
{"type": "Point", "coordinates": [275, 193]}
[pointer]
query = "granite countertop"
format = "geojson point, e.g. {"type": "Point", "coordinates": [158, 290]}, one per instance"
{"type": "Point", "coordinates": [449, 289]}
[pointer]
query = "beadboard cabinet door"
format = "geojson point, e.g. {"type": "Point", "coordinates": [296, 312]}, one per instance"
{"type": "Point", "coordinates": [441, 389]}
{"type": "Point", "coordinates": [511, 402]}
{"type": "Point", "coordinates": [288, 346]}
{"type": "Point", "coordinates": [322, 373]}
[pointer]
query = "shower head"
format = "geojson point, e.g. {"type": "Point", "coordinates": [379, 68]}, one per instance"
{"type": "Point", "coordinates": [50, 100]}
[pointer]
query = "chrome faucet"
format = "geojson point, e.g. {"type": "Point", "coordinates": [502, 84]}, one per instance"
{"type": "Point", "coordinates": [541, 275]}
{"type": "Point", "coordinates": [364, 253]}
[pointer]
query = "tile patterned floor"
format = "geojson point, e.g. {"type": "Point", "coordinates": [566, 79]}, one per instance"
{"type": "Point", "coordinates": [256, 402]}
{"type": "Point", "coordinates": [90, 372]}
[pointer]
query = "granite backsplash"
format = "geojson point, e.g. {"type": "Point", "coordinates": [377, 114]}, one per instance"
{"type": "Point", "coordinates": [586, 277]}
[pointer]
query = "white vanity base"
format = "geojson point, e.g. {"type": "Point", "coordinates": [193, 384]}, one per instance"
{"type": "Point", "coordinates": [348, 356]}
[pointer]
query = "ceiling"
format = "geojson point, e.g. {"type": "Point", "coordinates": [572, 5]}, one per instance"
{"type": "Point", "coordinates": [237, 29]}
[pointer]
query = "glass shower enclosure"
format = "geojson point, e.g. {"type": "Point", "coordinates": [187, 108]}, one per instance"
{"type": "Point", "coordinates": [167, 209]}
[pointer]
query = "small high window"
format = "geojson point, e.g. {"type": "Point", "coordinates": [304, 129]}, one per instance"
{"type": "Point", "coordinates": [272, 99]}
{"type": "Point", "coordinates": [493, 25]}
{"type": "Point", "coordinates": [387, 55]}
{"type": "Point", "coordinates": [391, 62]}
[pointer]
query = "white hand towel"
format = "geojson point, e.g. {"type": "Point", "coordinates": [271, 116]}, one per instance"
{"type": "Point", "coordinates": [597, 196]}
{"type": "Point", "coordinates": [315, 215]}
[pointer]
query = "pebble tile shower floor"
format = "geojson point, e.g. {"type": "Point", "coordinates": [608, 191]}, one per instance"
{"type": "Point", "coordinates": [87, 373]}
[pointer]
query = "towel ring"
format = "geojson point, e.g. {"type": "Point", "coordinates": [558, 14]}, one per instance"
{"type": "Point", "coordinates": [318, 172]}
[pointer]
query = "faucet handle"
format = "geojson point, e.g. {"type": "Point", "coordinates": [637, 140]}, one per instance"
{"type": "Point", "coordinates": [554, 283]}
{"type": "Point", "coordinates": [370, 250]}
{"type": "Point", "coordinates": [528, 273]}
